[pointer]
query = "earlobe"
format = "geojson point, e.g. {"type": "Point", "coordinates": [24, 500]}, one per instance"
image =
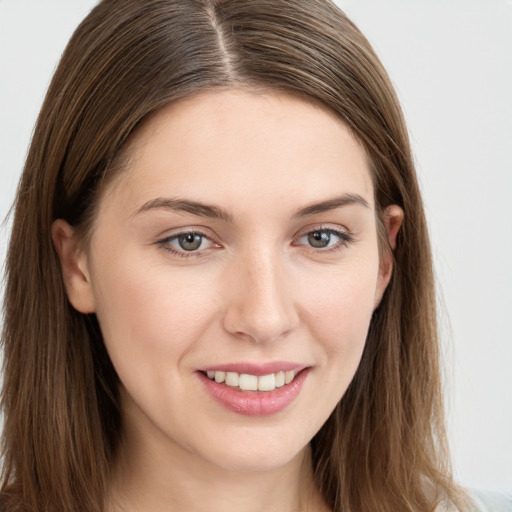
{"type": "Point", "coordinates": [74, 266]}
{"type": "Point", "coordinates": [393, 218]}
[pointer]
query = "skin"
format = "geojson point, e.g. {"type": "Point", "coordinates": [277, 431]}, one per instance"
{"type": "Point", "coordinates": [255, 290]}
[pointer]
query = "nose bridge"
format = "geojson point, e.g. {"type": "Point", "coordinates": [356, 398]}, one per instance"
{"type": "Point", "coordinates": [261, 303]}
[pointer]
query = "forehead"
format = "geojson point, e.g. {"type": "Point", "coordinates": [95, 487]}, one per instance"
{"type": "Point", "coordinates": [243, 146]}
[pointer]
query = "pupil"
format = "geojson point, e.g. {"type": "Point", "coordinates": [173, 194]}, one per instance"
{"type": "Point", "coordinates": [319, 239]}
{"type": "Point", "coordinates": [190, 241]}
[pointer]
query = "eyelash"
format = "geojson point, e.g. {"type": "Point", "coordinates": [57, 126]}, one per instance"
{"type": "Point", "coordinates": [166, 244]}
{"type": "Point", "coordinates": [345, 239]}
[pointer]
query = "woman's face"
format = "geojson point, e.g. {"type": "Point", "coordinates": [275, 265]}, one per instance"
{"type": "Point", "coordinates": [240, 244]}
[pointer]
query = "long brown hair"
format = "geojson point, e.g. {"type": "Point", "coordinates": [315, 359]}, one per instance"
{"type": "Point", "coordinates": [383, 448]}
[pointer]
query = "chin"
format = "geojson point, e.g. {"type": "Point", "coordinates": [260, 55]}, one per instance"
{"type": "Point", "coordinates": [258, 454]}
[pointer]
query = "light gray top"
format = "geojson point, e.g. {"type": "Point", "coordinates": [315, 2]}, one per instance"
{"type": "Point", "coordinates": [487, 501]}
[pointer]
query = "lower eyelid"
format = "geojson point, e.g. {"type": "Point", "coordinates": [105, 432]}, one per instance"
{"type": "Point", "coordinates": [166, 243]}
{"type": "Point", "coordinates": [344, 236]}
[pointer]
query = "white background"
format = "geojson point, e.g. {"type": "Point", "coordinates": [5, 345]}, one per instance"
{"type": "Point", "coordinates": [451, 62]}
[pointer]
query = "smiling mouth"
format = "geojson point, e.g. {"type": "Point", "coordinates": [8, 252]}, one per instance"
{"type": "Point", "coordinates": [248, 382]}
{"type": "Point", "coordinates": [253, 390]}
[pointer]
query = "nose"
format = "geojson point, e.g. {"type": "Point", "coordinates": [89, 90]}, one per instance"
{"type": "Point", "coordinates": [260, 304]}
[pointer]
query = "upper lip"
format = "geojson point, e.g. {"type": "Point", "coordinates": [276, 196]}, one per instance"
{"type": "Point", "coordinates": [257, 369]}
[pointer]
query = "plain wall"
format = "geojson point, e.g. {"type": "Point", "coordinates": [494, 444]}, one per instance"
{"type": "Point", "coordinates": [451, 62]}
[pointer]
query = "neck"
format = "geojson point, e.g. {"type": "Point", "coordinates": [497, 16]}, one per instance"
{"type": "Point", "coordinates": [147, 477]}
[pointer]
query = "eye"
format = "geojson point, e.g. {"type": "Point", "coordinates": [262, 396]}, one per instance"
{"type": "Point", "coordinates": [187, 243]}
{"type": "Point", "coordinates": [190, 241]}
{"type": "Point", "coordinates": [326, 238]}
{"type": "Point", "coordinates": [319, 239]}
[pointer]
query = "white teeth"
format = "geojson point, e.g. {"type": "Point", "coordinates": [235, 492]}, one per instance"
{"type": "Point", "coordinates": [232, 379]}
{"type": "Point", "coordinates": [267, 382]}
{"type": "Point", "coordinates": [248, 382]}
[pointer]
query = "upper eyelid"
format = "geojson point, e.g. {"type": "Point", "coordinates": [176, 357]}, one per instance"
{"type": "Point", "coordinates": [165, 243]}
{"type": "Point", "coordinates": [215, 239]}
{"type": "Point", "coordinates": [175, 236]}
{"type": "Point", "coordinates": [173, 233]}
{"type": "Point", "coordinates": [322, 227]}
{"type": "Point", "coordinates": [346, 238]}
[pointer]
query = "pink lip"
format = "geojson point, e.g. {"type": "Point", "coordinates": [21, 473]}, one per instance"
{"type": "Point", "coordinates": [256, 369]}
{"type": "Point", "coordinates": [255, 403]}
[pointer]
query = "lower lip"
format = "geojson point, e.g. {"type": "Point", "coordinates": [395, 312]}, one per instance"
{"type": "Point", "coordinates": [255, 403]}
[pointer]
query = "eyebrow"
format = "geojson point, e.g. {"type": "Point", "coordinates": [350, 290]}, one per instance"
{"type": "Point", "coordinates": [214, 212]}
{"type": "Point", "coordinates": [185, 205]}
{"type": "Point", "coordinates": [332, 204]}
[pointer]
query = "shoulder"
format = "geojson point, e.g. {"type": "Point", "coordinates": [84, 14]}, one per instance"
{"type": "Point", "coordinates": [486, 501]}
{"type": "Point", "coordinates": [473, 500]}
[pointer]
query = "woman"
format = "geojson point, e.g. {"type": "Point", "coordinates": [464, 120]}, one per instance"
{"type": "Point", "coordinates": [231, 298]}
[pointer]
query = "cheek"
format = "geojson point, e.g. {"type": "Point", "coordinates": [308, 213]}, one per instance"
{"type": "Point", "coordinates": [343, 304]}
{"type": "Point", "coordinates": [150, 318]}
{"type": "Point", "coordinates": [338, 315]}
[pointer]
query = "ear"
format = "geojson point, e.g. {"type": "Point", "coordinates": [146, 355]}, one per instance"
{"type": "Point", "coordinates": [75, 268]}
{"type": "Point", "coordinates": [393, 217]}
